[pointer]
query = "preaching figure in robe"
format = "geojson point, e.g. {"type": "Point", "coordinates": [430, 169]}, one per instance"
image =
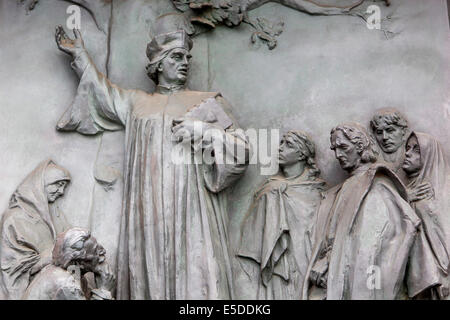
{"type": "Point", "coordinates": [29, 227]}
{"type": "Point", "coordinates": [365, 229]}
{"type": "Point", "coordinates": [425, 163]}
{"type": "Point", "coordinates": [276, 232]}
{"type": "Point", "coordinates": [173, 238]}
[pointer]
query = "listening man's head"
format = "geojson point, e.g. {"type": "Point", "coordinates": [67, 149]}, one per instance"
{"type": "Point", "coordinates": [169, 56]}
{"type": "Point", "coordinates": [389, 128]}
{"type": "Point", "coordinates": [352, 146]}
{"type": "Point", "coordinates": [296, 146]}
{"type": "Point", "coordinates": [76, 246]}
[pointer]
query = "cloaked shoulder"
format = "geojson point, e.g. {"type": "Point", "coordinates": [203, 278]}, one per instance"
{"type": "Point", "coordinates": [379, 170]}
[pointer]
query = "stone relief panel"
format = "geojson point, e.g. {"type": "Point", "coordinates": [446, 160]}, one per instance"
{"type": "Point", "coordinates": [277, 230]}
{"type": "Point", "coordinates": [74, 250]}
{"type": "Point", "coordinates": [29, 227]}
{"type": "Point", "coordinates": [327, 68]}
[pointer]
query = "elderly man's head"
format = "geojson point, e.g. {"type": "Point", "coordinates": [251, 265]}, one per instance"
{"type": "Point", "coordinates": [352, 146]}
{"type": "Point", "coordinates": [389, 128]}
{"type": "Point", "coordinates": [76, 246]}
{"type": "Point", "coordinates": [169, 58]}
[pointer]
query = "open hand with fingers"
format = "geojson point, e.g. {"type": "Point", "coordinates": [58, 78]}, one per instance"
{"type": "Point", "coordinates": [104, 277]}
{"type": "Point", "coordinates": [421, 192]}
{"type": "Point", "coordinates": [67, 45]}
{"type": "Point", "coordinates": [188, 130]}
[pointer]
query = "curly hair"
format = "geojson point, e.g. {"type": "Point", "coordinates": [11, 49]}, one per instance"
{"type": "Point", "coordinates": [358, 136]}
{"type": "Point", "coordinates": [69, 246]}
{"type": "Point", "coordinates": [388, 116]}
{"type": "Point", "coordinates": [308, 150]}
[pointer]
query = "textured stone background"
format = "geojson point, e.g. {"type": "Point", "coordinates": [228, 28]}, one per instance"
{"type": "Point", "coordinates": [325, 70]}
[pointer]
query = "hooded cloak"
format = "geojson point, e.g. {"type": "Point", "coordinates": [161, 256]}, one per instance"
{"type": "Point", "coordinates": [27, 230]}
{"type": "Point", "coordinates": [434, 212]}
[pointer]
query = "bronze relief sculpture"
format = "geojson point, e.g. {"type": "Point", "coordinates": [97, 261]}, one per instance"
{"type": "Point", "coordinates": [365, 223]}
{"type": "Point", "coordinates": [425, 164]}
{"type": "Point", "coordinates": [276, 233]}
{"type": "Point", "coordinates": [74, 248]}
{"type": "Point", "coordinates": [29, 227]}
{"type": "Point", "coordinates": [382, 232]}
{"type": "Point", "coordinates": [173, 239]}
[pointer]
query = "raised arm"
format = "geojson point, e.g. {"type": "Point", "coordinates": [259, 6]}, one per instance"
{"type": "Point", "coordinates": [98, 105]}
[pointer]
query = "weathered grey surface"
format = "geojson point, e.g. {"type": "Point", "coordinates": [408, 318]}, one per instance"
{"type": "Point", "coordinates": [390, 130]}
{"type": "Point", "coordinates": [366, 223]}
{"type": "Point", "coordinates": [173, 229]}
{"type": "Point", "coordinates": [324, 70]}
{"type": "Point", "coordinates": [276, 239]}
{"type": "Point", "coordinates": [36, 85]}
{"type": "Point", "coordinates": [343, 71]}
{"type": "Point", "coordinates": [430, 168]}
{"type": "Point", "coordinates": [29, 227]}
{"type": "Point", "coordinates": [75, 253]}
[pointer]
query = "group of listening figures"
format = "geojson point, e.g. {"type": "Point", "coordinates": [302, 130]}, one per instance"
{"type": "Point", "coordinates": [383, 233]}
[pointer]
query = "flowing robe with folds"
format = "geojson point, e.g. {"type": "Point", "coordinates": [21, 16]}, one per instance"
{"type": "Point", "coordinates": [56, 283]}
{"type": "Point", "coordinates": [365, 232]}
{"type": "Point", "coordinates": [394, 161]}
{"type": "Point", "coordinates": [27, 233]}
{"type": "Point", "coordinates": [434, 212]}
{"type": "Point", "coordinates": [173, 236]}
{"type": "Point", "coordinates": [277, 234]}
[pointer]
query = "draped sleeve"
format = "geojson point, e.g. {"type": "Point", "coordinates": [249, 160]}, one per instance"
{"type": "Point", "coordinates": [21, 250]}
{"type": "Point", "coordinates": [229, 149]}
{"type": "Point", "coordinates": [99, 104]}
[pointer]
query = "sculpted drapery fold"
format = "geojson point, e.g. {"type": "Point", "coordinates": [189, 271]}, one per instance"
{"type": "Point", "coordinates": [28, 229]}
{"type": "Point", "coordinates": [364, 222]}
{"type": "Point", "coordinates": [276, 234]}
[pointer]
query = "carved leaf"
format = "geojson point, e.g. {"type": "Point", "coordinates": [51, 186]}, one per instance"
{"type": "Point", "coordinates": [263, 23]}
{"type": "Point", "coordinates": [273, 29]}
{"type": "Point", "coordinates": [219, 15]}
{"type": "Point", "coordinates": [270, 41]}
{"type": "Point", "coordinates": [234, 19]}
{"type": "Point", "coordinates": [203, 21]}
{"type": "Point", "coordinates": [182, 5]}
{"type": "Point", "coordinates": [278, 28]}
{"type": "Point", "coordinates": [199, 5]}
